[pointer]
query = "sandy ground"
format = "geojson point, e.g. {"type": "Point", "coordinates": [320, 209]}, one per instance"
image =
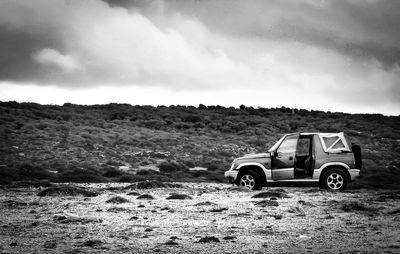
{"type": "Point", "coordinates": [306, 220]}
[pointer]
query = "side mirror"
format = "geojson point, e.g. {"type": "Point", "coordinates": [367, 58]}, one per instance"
{"type": "Point", "coordinates": [273, 154]}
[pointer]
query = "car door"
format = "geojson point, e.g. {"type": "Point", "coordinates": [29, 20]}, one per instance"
{"type": "Point", "coordinates": [283, 159]}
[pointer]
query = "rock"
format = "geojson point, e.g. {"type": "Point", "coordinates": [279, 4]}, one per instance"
{"type": "Point", "coordinates": [305, 203]}
{"type": "Point", "coordinates": [179, 196]}
{"type": "Point", "coordinates": [148, 230]}
{"type": "Point", "coordinates": [92, 243]}
{"type": "Point", "coordinates": [13, 244]}
{"type": "Point", "coordinates": [304, 237]}
{"type": "Point", "coordinates": [140, 206]}
{"type": "Point", "coordinates": [118, 209]}
{"type": "Point", "coordinates": [67, 190]}
{"type": "Point", "coordinates": [297, 210]}
{"type": "Point", "coordinates": [69, 218]}
{"type": "Point", "coordinates": [205, 203]}
{"type": "Point", "coordinates": [273, 198]}
{"type": "Point", "coordinates": [264, 203]}
{"type": "Point", "coordinates": [134, 218]}
{"type": "Point", "coordinates": [217, 210]}
{"type": "Point", "coordinates": [72, 251]}
{"type": "Point", "coordinates": [32, 211]}
{"type": "Point", "coordinates": [238, 188]}
{"type": "Point", "coordinates": [145, 196]}
{"type": "Point", "coordinates": [35, 224]}
{"type": "Point", "coordinates": [171, 242]}
{"type": "Point", "coordinates": [278, 216]}
{"type": "Point", "coordinates": [208, 239]}
{"type": "Point", "coordinates": [118, 200]}
{"type": "Point", "coordinates": [14, 203]}
{"type": "Point", "coordinates": [133, 193]}
{"type": "Point", "coordinates": [50, 244]}
{"type": "Point", "coordinates": [152, 184]}
{"type": "Point", "coordinates": [229, 237]}
{"type": "Point", "coordinates": [269, 194]}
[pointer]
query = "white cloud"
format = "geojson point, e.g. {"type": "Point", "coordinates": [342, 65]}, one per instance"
{"type": "Point", "coordinates": [52, 57]}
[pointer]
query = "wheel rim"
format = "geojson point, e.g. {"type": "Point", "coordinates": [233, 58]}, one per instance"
{"type": "Point", "coordinates": [247, 181]}
{"type": "Point", "coordinates": [335, 181]}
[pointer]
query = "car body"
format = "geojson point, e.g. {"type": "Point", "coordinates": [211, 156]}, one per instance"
{"type": "Point", "coordinates": [324, 158]}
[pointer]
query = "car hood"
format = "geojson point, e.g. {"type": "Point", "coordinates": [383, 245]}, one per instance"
{"type": "Point", "coordinates": [254, 156]}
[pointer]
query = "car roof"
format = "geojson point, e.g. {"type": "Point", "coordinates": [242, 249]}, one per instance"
{"type": "Point", "coordinates": [315, 133]}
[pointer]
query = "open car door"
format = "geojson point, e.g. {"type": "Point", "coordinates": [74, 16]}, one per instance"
{"type": "Point", "coordinates": [283, 159]}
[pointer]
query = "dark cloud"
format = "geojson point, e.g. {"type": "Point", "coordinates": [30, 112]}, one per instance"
{"type": "Point", "coordinates": [363, 29]}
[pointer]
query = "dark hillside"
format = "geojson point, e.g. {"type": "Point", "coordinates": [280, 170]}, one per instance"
{"type": "Point", "coordinates": [120, 142]}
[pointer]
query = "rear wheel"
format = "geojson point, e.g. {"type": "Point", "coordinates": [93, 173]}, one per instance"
{"type": "Point", "coordinates": [251, 180]}
{"type": "Point", "coordinates": [335, 180]}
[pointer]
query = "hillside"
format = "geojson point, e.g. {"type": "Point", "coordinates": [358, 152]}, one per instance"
{"type": "Point", "coordinates": [120, 142]}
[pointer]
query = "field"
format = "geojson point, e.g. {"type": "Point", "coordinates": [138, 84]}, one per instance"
{"type": "Point", "coordinates": [196, 218]}
{"type": "Point", "coordinates": [118, 178]}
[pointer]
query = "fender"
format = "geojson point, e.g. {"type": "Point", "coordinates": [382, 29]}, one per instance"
{"type": "Point", "coordinates": [317, 172]}
{"type": "Point", "coordinates": [267, 172]}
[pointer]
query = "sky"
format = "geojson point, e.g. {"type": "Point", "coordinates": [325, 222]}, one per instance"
{"type": "Point", "coordinates": [340, 56]}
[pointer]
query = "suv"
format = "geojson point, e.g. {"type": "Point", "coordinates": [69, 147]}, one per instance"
{"type": "Point", "coordinates": [324, 158]}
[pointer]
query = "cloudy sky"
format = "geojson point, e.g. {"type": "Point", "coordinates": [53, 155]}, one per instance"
{"type": "Point", "coordinates": [314, 54]}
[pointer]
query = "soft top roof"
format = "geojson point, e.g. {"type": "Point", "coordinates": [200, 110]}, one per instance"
{"type": "Point", "coordinates": [331, 142]}
{"type": "Point", "coordinates": [334, 142]}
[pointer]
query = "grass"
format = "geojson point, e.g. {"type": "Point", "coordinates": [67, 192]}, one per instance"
{"type": "Point", "coordinates": [74, 143]}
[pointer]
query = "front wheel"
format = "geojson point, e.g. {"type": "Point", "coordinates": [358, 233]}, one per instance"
{"type": "Point", "coordinates": [335, 180]}
{"type": "Point", "coordinates": [251, 180]}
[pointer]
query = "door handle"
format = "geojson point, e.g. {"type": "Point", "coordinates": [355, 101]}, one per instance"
{"type": "Point", "coordinates": [291, 158]}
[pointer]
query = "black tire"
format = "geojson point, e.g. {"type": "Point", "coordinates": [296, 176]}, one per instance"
{"type": "Point", "coordinates": [250, 179]}
{"type": "Point", "coordinates": [335, 179]}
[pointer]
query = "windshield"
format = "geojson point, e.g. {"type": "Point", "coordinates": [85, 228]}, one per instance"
{"type": "Point", "coordinates": [274, 147]}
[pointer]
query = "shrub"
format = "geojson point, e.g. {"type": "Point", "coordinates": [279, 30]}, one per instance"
{"type": "Point", "coordinates": [27, 171]}
{"type": "Point", "coordinates": [169, 166]}
{"type": "Point", "coordinates": [67, 190]}
{"type": "Point", "coordinates": [112, 172]}
{"type": "Point", "coordinates": [148, 172]}
{"type": "Point", "coordinates": [7, 175]}
{"type": "Point", "coordinates": [130, 178]}
{"type": "Point", "coordinates": [79, 175]}
{"type": "Point", "coordinates": [350, 206]}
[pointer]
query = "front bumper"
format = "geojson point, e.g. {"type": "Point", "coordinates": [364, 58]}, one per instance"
{"type": "Point", "coordinates": [354, 173]}
{"type": "Point", "coordinates": [231, 175]}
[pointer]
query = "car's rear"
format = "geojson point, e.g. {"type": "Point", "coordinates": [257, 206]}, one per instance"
{"type": "Point", "coordinates": [356, 150]}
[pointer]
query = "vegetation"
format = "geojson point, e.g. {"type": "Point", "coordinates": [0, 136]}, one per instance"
{"type": "Point", "coordinates": [120, 142]}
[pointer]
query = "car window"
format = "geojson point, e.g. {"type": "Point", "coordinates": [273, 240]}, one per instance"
{"type": "Point", "coordinates": [338, 145]}
{"type": "Point", "coordinates": [288, 145]}
{"type": "Point", "coordinates": [330, 140]}
{"type": "Point", "coordinates": [334, 143]}
{"type": "Point", "coordinates": [303, 147]}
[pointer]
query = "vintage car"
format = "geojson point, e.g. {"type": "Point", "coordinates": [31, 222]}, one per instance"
{"type": "Point", "coordinates": [324, 158]}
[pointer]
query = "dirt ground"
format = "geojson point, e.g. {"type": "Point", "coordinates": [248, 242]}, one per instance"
{"type": "Point", "coordinates": [219, 218]}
